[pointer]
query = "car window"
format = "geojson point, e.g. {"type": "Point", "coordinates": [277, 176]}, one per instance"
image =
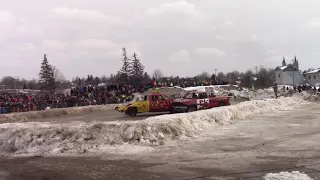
{"type": "Point", "coordinates": [195, 96]}
{"type": "Point", "coordinates": [146, 98]}
{"type": "Point", "coordinates": [192, 96]}
{"type": "Point", "coordinates": [203, 95]}
{"type": "Point", "coordinates": [163, 97]}
{"type": "Point", "coordinates": [155, 98]}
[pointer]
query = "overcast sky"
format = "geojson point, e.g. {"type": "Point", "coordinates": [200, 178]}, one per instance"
{"type": "Point", "coordinates": [181, 38]}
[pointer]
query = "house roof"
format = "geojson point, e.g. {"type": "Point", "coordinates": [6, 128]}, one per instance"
{"type": "Point", "coordinates": [314, 71]}
{"type": "Point", "coordinates": [281, 68]}
{"type": "Point", "coordinates": [285, 68]}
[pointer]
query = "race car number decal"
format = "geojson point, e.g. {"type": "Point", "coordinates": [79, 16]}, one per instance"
{"type": "Point", "coordinates": [203, 101]}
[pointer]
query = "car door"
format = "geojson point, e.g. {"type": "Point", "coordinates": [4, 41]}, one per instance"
{"type": "Point", "coordinates": [165, 102]}
{"type": "Point", "coordinates": [143, 106]}
{"type": "Point", "coordinates": [154, 103]}
{"type": "Point", "coordinates": [203, 101]}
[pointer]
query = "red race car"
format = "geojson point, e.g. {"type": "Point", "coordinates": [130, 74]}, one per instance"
{"type": "Point", "coordinates": [194, 101]}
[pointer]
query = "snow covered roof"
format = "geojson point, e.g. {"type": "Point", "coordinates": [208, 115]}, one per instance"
{"type": "Point", "coordinates": [314, 71]}
{"type": "Point", "coordinates": [281, 68]}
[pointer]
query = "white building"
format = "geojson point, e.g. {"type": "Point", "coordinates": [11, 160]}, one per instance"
{"type": "Point", "coordinates": [313, 77]}
{"type": "Point", "coordinates": [289, 74]}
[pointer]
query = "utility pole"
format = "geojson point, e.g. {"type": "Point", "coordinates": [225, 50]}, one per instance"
{"type": "Point", "coordinates": [256, 68]}
{"type": "Point", "coordinates": [15, 84]}
{"type": "Point", "coordinates": [215, 74]}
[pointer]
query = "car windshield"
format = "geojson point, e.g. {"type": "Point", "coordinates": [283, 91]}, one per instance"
{"type": "Point", "coordinates": [192, 96]}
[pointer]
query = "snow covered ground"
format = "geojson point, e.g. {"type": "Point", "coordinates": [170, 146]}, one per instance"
{"type": "Point", "coordinates": [79, 137]}
{"type": "Point", "coordinates": [294, 175]}
{"type": "Point", "coordinates": [208, 138]}
{"type": "Point", "coordinates": [16, 117]}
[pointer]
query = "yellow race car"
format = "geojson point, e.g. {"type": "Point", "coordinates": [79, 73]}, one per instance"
{"type": "Point", "coordinates": [151, 103]}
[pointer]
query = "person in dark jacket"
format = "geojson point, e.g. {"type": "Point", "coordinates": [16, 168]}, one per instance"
{"type": "Point", "coordinates": [275, 89]}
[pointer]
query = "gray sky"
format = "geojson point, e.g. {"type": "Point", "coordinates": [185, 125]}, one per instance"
{"type": "Point", "coordinates": [179, 37]}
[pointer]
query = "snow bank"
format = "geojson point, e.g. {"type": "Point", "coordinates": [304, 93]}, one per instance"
{"type": "Point", "coordinates": [294, 175]}
{"type": "Point", "coordinates": [79, 137]}
{"type": "Point", "coordinates": [308, 95]}
{"type": "Point", "coordinates": [55, 112]}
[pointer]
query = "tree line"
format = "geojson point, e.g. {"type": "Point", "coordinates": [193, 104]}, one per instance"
{"type": "Point", "coordinates": [133, 71]}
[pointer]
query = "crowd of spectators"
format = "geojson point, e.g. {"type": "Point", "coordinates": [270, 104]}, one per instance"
{"type": "Point", "coordinates": [84, 96]}
{"type": "Point", "coordinates": [79, 96]}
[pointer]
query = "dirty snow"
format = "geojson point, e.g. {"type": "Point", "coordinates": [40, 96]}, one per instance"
{"type": "Point", "coordinates": [79, 137]}
{"type": "Point", "coordinates": [14, 117]}
{"type": "Point", "coordinates": [294, 175]}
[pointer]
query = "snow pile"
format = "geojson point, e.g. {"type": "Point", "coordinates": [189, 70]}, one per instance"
{"type": "Point", "coordinates": [55, 112]}
{"type": "Point", "coordinates": [79, 137]}
{"type": "Point", "coordinates": [308, 95]}
{"type": "Point", "coordinates": [294, 175]}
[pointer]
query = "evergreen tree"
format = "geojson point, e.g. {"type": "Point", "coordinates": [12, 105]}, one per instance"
{"type": "Point", "coordinates": [46, 78]}
{"type": "Point", "coordinates": [125, 70]}
{"type": "Point", "coordinates": [79, 82]}
{"type": "Point", "coordinates": [89, 79]}
{"type": "Point", "coordinates": [137, 70]}
{"type": "Point", "coordinates": [146, 77]}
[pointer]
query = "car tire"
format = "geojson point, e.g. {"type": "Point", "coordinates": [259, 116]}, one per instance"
{"type": "Point", "coordinates": [191, 109]}
{"type": "Point", "coordinates": [132, 111]}
{"type": "Point", "coordinates": [221, 104]}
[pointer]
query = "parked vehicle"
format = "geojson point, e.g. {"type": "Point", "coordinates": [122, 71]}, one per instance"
{"type": "Point", "coordinates": [151, 103]}
{"type": "Point", "coordinates": [194, 101]}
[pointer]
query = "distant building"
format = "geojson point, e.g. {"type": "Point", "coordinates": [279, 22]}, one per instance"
{"type": "Point", "coordinates": [313, 77]}
{"type": "Point", "coordinates": [289, 74]}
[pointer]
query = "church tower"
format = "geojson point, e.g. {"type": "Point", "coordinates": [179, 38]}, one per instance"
{"type": "Point", "coordinates": [284, 62]}
{"type": "Point", "coordinates": [295, 62]}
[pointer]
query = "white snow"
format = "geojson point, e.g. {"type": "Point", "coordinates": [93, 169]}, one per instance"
{"type": "Point", "coordinates": [79, 137]}
{"type": "Point", "coordinates": [294, 175]}
{"type": "Point", "coordinates": [313, 71]}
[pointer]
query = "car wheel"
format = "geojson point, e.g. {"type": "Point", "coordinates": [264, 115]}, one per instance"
{"type": "Point", "coordinates": [221, 104]}
{"type": "Point", "coordinates": [191, 109]}
{"type": "Point", "coordinates": [132, 111]}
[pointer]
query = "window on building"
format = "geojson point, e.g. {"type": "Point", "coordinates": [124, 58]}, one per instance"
{"type": "Point", "coordinates": [309, 77]}
{"type": "Point", "coordinates": [314, 76]}
{"type": "Point", "coordinates": [279, 75]}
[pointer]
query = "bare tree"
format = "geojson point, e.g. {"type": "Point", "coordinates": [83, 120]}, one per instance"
{"type": "Point", "coordinates": [57, 75]}
{"type": "Point", "coordinates": [221, 76]}
{"type": "Point", "coordinates": [203, 76]}
{"type": "Point", "coordinates": [157, 74]}
{"type": "Point", "coordinates": [8, 81]}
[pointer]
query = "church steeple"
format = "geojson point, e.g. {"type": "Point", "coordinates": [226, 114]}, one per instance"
{"type": "Point", "coordinates": [295, 62]}
{"type": "Point", "coordinates": [284, 62]}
